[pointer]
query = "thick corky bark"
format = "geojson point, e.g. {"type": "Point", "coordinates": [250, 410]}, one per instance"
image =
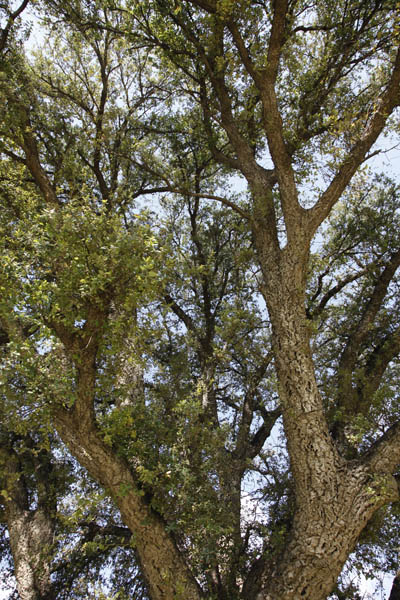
{"type": "Point", "coordinates": [31, 535]}
{"type": "Point", "coordinates": [334, 498]}
{"type": "Point", "coordinates": [163, 567]}
{"type": "Point", "coordinates": [234, 73]}
{"type": "Point", "coordinates": [31, 532]}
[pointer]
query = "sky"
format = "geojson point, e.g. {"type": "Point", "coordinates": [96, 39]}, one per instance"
{"type": "Point", "coordinates": [389, 163]}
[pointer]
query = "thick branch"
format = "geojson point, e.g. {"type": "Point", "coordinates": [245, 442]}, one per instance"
{"type": "Point", "coordinates": [4, 33]}
{"type": "Point", "coordinates": [350, 354]}
{"type": "Point", "coordinates": [377, 365]}
{"type": "Point", "coordinates": [384, 456]}
{"type": "Point", "coordinates": [99, 120]}
{"type": "Point", "coordinates": [77, 428]}
{"type": "Point", "coordinates": [217, 154]}
{"type": "Point", "coordinates": [31, 531]}
{"type": "Point", "coordinates": [389, 99]}
{"type": "Point", "coordinates": [262, 434]}
{"type": "Point", "coordinates": [36, 169]}
{"type": "Point", "coordinates": [180, 313]}
{"type": "Point", "coordinates": [215, 71]}
{"type": "Point", "coordinates": [120, 533]}
{"type": "Point", "coordinates": [156, 548]}
{"type": "Point", "coordinates": [274, 126]}
{"type": "Point", "coordinates": [244, 445]}
{"type": "Point", "coordinates": [277, 38]}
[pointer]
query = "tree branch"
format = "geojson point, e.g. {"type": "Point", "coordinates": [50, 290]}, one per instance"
{"type": "Point", "coordinates": [273, 125]}
{"type": "Point", "coordinates": [102, 59]}
{"type": "Point", "coordinates": [376, 366]}
{"type": "Point", "coordinates": [389, 99]}
{"type": "Point", "coordinates": [333, 291]}
{"type": "Point", "coordinates": [155, 546]}
{"type": "Point", "coordinates": [384, 455]}
{"type": "Point", "coordinates": [262, 434]}
{"type": "Point", "coordinates": [4, 33]}
{"type": "Point", "coordinates": [350, 353]}
{"type": "Point", "coordinates": [181, 314]}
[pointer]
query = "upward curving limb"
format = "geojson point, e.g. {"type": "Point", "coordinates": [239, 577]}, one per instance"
{"type": "Point", "coordinates": [12, 17]}
{"type": "Point", "coordinates": [78, 429]}
{"type": "Point", "coordinates": [156, 549]}
{"type": "Point", "coordinates": [388, 101]}
{"type": "Point", "coordinates": [28, 144]}
{"type": "Point", "coordinates": [377, 364]}
{"type": "Point", "coordinates": [384, 456]}
{"type": "Point", "coordinates": [353, 347]}
{"type": "Point", "coordinates": [265, 80]}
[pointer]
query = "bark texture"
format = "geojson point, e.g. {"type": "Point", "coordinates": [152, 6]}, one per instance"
{"type": "Point", "coordinates": [335, 492]}
{"type": "Point", "coordinates": [164, 568]}
{"type": "Point", "coordinates": [335, 498]}
{"type": "Point", "coordinates": [31, 530]}
{"type": "Point", "coordinates": [31, 537]}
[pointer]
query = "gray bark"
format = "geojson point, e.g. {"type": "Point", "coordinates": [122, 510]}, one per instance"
{"type": "Point", "coordinates": [334, 498]}
{"type": "Point", "coordinates": [31, 531]}
{"type": "Point", "coordinates": [31, 537]}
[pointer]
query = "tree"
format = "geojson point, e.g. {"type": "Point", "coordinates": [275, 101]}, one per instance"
{"type": "Point", "coordinates": [148, 348]}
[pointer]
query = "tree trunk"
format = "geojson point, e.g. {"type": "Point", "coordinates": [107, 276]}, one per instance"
{"type": "Point", "coordinates": [163, 567]}
{"type": "Point", "coordinates": [395, 591]}
{"type": "Point", "coordinates": [334, 499]}
{"type": "Point", "coordinates": [31, 531]}
{"type": "Point", "coordinates": [31, 537]}
{"type": "Point", "coordinates": [321, 541]}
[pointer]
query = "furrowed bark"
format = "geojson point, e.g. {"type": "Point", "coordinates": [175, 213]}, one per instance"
{"type": "Point", "coordinates": [321, 541]}
{"type": "Point", "coordinates": [334, 499]}
{"type": "Point", "coordinates": [164, 569]}
{"type": "Point", "coordinates": [163, 566]}
{"type": "Point", "coordinates": [310, 447]}
{"type": "Point", "coordinates": [31, 533]}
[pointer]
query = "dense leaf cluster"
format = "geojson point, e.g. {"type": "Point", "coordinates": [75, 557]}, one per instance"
{"type": "Point", "coordinates": [190, 249]}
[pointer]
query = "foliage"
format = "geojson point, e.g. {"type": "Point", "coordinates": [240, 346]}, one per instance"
{"type": "Point", "coordinates": [199, 296]}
